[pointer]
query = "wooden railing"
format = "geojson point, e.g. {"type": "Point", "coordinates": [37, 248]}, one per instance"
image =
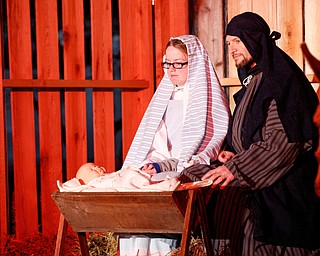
{"type": "Point", "coordinates": [232, 85]}
{"type": "Point", "coordinates": [44, 144]}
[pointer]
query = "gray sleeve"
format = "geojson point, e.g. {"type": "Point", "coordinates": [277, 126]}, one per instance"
{"type": "Point", "coordinates": [267, 160]}
{"type": "Point", "coordinates": [168, 165]}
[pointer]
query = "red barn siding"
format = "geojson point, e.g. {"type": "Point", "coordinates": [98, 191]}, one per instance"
{"type": "Point", "coordinates": [144, 32]}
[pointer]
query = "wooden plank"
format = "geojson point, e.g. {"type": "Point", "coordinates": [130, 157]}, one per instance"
{"type": "Point", "coordinates": [211, 32]}
{"type": "Point", "coordinates": [136, 62]}
{"type": "Point", "coordinates": [117, 211]}
{"type": "Point", "coordinates": [290, 25]}
{"type": "Point", "coordinates": [4, 227]}
{"type": "Point", "coordinates": [234, 8]}
{"type": "Point", "coordinates": [49, 111]}
{"type": "Point", "coordinates": [74, 68]}
{"type": "Point", "coordinates": [171, 18]}
{"type": "Point", "coordinates": [234, 81]}
{"type": "Point", "coordinates": [103, 105]}
{"type": "Point", "coordinates": [75, 84]}
{"type": "Point", "coordinates": [83, 244]}
{"type": "Point", "coordinates": [23, 129]}
{"type": "Point", "coordinates": [187, 227]}
{"type": "Point", "coordinates": [267, 10]}
{"type": "Point", "coordinates": [312, 30]}
{"type": "Point", "coordinates": [103, 84]}
{"type": "Point", "coordinates": [61, 236]}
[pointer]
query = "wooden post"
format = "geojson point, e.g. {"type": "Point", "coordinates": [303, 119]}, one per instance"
{"type": "Point", "coordinates": [61, 236]}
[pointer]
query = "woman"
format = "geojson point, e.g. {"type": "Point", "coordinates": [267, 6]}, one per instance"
{"type": "Point", "coordinates": [187, 118]}
{"type": "Point", "coordinates": [185, 123]}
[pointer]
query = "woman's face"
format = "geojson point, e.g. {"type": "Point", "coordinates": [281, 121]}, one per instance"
{"type": "Point", "coordinates": [177, 76]}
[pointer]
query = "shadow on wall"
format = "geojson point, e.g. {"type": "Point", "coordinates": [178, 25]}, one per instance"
{"type": "Point", "coordinates": [315, 65]}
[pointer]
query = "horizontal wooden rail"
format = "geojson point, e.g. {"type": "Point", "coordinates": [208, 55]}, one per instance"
{"type": "Point", "coordinates": [234, 81]}
{"type": "Point", "coordinates": [73, 84]}
{"type": "Point", "coordinates": [106, 84]}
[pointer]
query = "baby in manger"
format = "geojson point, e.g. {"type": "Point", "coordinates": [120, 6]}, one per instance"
{"type": "Point", "coordinates": [93, 178]}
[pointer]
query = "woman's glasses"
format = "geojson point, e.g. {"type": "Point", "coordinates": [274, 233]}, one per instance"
{"type": "Point", "coordinates": [176, 65]}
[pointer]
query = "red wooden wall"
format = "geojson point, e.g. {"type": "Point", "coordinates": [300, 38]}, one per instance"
{"type": "Point", "coordinates": [26, 205]}
{"type": "Point", "coordinates": [3, 164]}
{"type": "Point", "coordinates": [144, 29]}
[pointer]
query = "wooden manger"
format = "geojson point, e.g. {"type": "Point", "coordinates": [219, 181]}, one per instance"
{"type": "Point", "coordinates": [177, 212]}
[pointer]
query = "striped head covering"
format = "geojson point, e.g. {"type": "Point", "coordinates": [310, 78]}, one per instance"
{"type": "Point", "coordinates": [207, 114]}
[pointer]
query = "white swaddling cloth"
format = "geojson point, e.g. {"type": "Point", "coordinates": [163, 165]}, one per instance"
{"type": "Point", "coordinates": [125, 180]}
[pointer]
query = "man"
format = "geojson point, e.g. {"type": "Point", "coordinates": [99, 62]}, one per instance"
{"type": "Point", "coordinates": [269, 168]}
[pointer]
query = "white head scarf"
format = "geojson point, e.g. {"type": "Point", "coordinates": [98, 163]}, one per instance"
{"type": "Point", "coordinates": [207, 114]}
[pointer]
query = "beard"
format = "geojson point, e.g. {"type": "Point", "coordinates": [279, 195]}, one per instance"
{"type": "Point", "coordinates": [245, 62]}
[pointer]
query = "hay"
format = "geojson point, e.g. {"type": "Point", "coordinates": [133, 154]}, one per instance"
{"type": "Point", "coordinates": [196, 248]}
{"type": "Point", "coordinates": [103, 244]}
{"type": "Point", "coordinates": [98, 244]}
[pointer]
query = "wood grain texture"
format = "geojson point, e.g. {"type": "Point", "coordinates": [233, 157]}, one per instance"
{"type": "Point", "coordinates": [210, 20]}
{"type": "Point", "coordinates": [50, 142]}
{"type": "Point", "coordinates": [290, 25]}
{"type": "Point", "coordinates": [136, 57]}
{"type": "Point", "coordinates": [234, 8]}
{"type": "Point", "coordinates": [74, 68]}
{"type": "Point", "coordinates": [171, 19]}
{"type": "Point", "coordinates": [312, 29]}
{"type": "Point", "coordinates": [75, 84]}
{"type": "Point", "coordinates": [103, 103]}
{"type": "Point", "coordinates": [23, 128]}
{"type": "Point", "coordinates": [4, 228]}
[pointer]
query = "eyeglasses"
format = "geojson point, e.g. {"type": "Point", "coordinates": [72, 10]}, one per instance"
{"type": "Point", "coordinates": [176, 65]}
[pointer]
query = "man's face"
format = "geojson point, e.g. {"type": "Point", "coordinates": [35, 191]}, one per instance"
{"type": "Point", "coordinates": [239, 52]}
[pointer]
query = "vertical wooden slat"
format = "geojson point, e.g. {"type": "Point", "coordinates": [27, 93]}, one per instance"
{"type": "Point", "coordinates": [235, 7]}
{"type": "Point", "coordinates": [74, 68]}
{"type": "Point", "coordinates": [136, 62]}
{"type": "Point", "coordinates": [23, 130]}
{"type": "Point", "coordinates": [103, 108]}
{"type": "Point", "coordinates": [171, 19]}
{"type": "Point", "coordinates": [211, 32]}
{"type": "Point", "coordinates": [290, 25]}
{"type": "Point", "coordinates": [49, 111]}
{"type": "Point", "coordinates": [312, 29]}
{"type": "Point", "coordinates": [3, 160]}
{"type": "Point", "coordinates": [3, 174]}
{"type": "Point", "coordinates": [267, 10]}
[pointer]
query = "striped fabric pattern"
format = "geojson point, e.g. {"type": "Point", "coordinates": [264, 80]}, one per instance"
{"type": "Point", "coordinates": [207, 113]}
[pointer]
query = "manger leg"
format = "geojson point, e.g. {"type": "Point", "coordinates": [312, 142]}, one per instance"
{"type": "Point", "coordinates": [61, 236]}
{"type": "Point", "coordinates": [188, 222]}
{"type": "Point", "coordinates": [83, 243]}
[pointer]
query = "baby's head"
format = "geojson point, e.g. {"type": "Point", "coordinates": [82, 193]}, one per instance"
{"type": "Point", "coordinates": [89, 171]}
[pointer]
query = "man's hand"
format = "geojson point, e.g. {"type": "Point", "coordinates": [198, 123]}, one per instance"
{"type": "Point", "coordinates": [220, 175]}
{"type": "Point", "coordinates": [225, 156]}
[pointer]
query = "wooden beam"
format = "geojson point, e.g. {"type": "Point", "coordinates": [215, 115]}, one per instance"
{"type": "Point", "coordinates": [234, 81]}
{"type": "Point", "coordinates": [56, 83]}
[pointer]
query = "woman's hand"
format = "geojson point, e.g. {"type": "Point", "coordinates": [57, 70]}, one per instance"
{"type": "Point", "coordinates": [149, 169]}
